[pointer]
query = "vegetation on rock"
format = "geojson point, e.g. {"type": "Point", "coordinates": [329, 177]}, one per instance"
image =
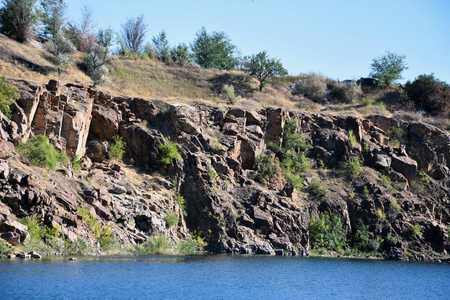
{"type": "Point", "coordinates": [40, 152]}
{"type": "Point", "coordinates": [8, 94]}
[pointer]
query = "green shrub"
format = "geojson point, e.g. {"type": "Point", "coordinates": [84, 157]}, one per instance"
{"type": "Point", "coordinates": [361, 239]}
{"type": "Point", "coordinates": [117, 149]}
{"type": "Point", "coordinates": [381, 106]}
{"type": "Point", "coordinates": [265, 165]}
{"type": "Point", "coordinates": [353, 167]}
{"type": "Point", "coordinates": [8, 94]}
{"type": "Point", "coordinates": [317, 188]}
{"type": "Point", "coordinates": [311, 86]}
{"type": "Point", "coordinates": [381, 213]}
{"type": "Point", "coordinates": [159, 245]}
{"type": "Point", "coordinates": [103, 234]}
{"type": "Point", "coordinates": [18, 19]}
{"type": "Point", "coordinates": [171, 219]}
{"type": "Point", "coordinates": [183, 203]}
{"type": "Point", "coordinates": [4, 248]}
{"type": "Point", "coordinates": [390, 240]}
{"type": "Point", "coordinates": [180, 53]}
{"type": "Point", "coordinates": [366, 102]}
{"type": "Point", "coordinates": [168, 151]}
{"type": "Point", "coordinates": [352, 139]}
{"type": "Point", "coordinates": [365, 191]}
{"type": "Point", "coordinates": [76, 163]}
{"type": "Point", "coordinates": [396, 136]}
{"type": "Point", "coordinates": [41, 153]}
{"type": "Point", "coordinates": [94, 64]}
{"type": "Point", "coordinates": [228, 93]}
{"type": "Point", "coordinates": [327, 232]}
{"type": "Point", "coordinates": [415, 231]}
{"type": "Point", "coordinates": [345, 92]}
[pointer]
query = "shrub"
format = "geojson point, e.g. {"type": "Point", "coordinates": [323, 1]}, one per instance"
{"type": "Point", "coordinates": [159, 245]}
{"type": "Point", "coordinates": [18, 19]}
{"type": "Point", "coordinates": [353, 167]}
{"type": "Point", "coordinates": [345, 92]}
{"type": "Point", "coordinates": [388, 68]}
{"type": "Point", "coordinates": [94, 64]}
{"type": "Point", "coordinates": [312, 86]}
{"type": "Point", "coordinates": [263, 67]}
{"type": "Point", "coordinates": [41, 153]}
{"type": "Point", "coordinates": [365, 191]}
{"type": "Point", "coordinates": [327, 232]}
{"type": "Point", "coordinates": [430, 94]}
{"type": "Point", "coordinates": [8, 94]}
{"type": "Point", "coordinates": [317, 188]}
{"type": "Point", "coordinates": [381, 213]}
{"type": "Point", "coordinates": [352, 139]}
{"type": "Point", "coordinates": [4, 248]}
{"type": "Point", "coordinates": [395, 205]}
{"type": "Point", "coordinates": [117, 149]}
{"type": "Point", "coordinates": [265, 165]}
{"type": "Point", "coordinates": [180, 53]}
{"type": "Point", "coordinates": [396, 136]}
{"type": "Point", "coordinates": [381, 106]}
{"type": "Point", "coordinates": [103, 234]}
{"type": "Point", "coordinates": [183, 203]}
{"type": "Point", "coordinates": [366, 102]}
{"type": "Point", "coordinates": [76, 163]}
{"type": "Point", "coordinates": [60, 47]}
{"type": "Point", "coordinates": [168, 151]}
{"type": "Point", "coordinates": [361, 239]}
{"type": "Point", "coordinates": [171, 219]}
{"type": "Point", "coordinates": [228, 93]}
{"type": "Point", "coordinates": [390, 240]}
{"type": "Point", "coordinates": [415, 231]}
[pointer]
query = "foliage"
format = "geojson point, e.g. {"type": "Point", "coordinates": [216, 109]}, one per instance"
{"type": "Point", "coordinates": [415, 231]}
{"type": "Point", "coordinates": [103, 234]}
{"type": "Point", "coordinates": [41, 153]}
{"type": "Point", "coordinates": [60, 46]}
{"type": "Point", "coordinates": [345, 92]}
{"type": "Point", "coordinates": [4, 248]}
{"type": "Point", "coordinates": [42, 236]}
{"type": "Point", "coordinates": [213, 51]}
{"type": "Point", "coordinates": [94, 64]}
{"type": "Point", "coordinates": [180, 53]}
{"type": "Point", "coordinates": [228, 93]}
{"type": "Point", "coordinates": [327, 232]}
{"type": "Point", "coordinates": [168, 151]}
{"type": "Point", "coordinates": [353, 167]}
{"type": "Point", "coordinates": [76, 163]}
{"type": "Point", "coordinates": [133, 34]}
{"type": "Point", "coordinates": [396, 136]}
{"type": "Point", "coordinates": [380, 105]}
{"type": "Point", "coordinates": [8, 93]}
{"type": "Point", "coordinates": [365, 191]}
{"type": "Point", "coordinates": [117, 149]}
{"type": "Point", "coordinates": [171, 219]}
{"type": "Point", "coordinates": [317, 188]}
{"type": "Point", "coordinates": [361, 239]}
{"type": "Point", "coordinates": [162, 47]}
{"type": "Point", "coordinates": [390, 240]}
{"type": "Point", "coordinates": [105, 37]}
{"type": "Point", "coordinates": [429, 94]}
{"type": "Point", "coordinates": [263, 67]}
{"type": "Point", "coordinates": [388, 68]}
{"type": "Point", "coordinates": [265, 165]}
{"type": "Point", "coordinates": [183, 203]}
{"type": "Point", "coordinates": [52, 17]}
{"type": "Point", "coordinates": [311, 86]}
{"type": "Point", "coordinates": [366, 102]}
{"type": "Point", "coordinates": [18, 19]}
{"type": "Point", "coordinates": [381, 213]}
{"type": "Point", "coordinates": [352, 139]}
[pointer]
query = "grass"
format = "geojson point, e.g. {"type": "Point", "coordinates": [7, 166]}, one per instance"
{"type": "Point", "coordinates": [353, 168]}
{"type": "Point", "coordinates": [42, 153]}
{"type": "Point", "coordinates": [171, 219]}
{"type": "Point", "coordinates": [352, 139]}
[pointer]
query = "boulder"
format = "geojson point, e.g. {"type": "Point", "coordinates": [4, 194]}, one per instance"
{"type": "Point", "coordinates": [34, 254]}
{"type": "Point", "coordinates": [14, 226]}
{"type": "Point", "coordinates": [382, 161]}
{"type": "Point", "coordinates": [4, 169]}
{"type": "Point", "coordinates": [11, 237]}
{"type": "Point", "coordinates": [405, 166]}
{"type": "Point", "coordinates": [105, 122]}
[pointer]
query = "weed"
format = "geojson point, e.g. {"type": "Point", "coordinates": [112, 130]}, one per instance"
{"type": "Point", "coordinates": [158, 245]}
{"type": "Point", "coordinates": [215, 144]}
{"type": "Point", "coordinates": [171, 219]}
{"type": "Point", "coordinates": [366, 102]}
{"type": "Point", "coordinates": [265, 165]}
{"type": "Point", "coordinates": [351, 195]}
{"type": "Point", "coordinates": [4, 248]}
{"type": "Point", "coordinates": [228, 93]}
{"type": "Point", "coordinates": [390, 240]}
{"type": "Point", "coordinates": [352, 139]}
{"type": "Point", "coordinates": [353, 167]}
{"type": "Point", "coordinates": [381, 213]}
{"type": "Point", "coordinates": [311, 86]}
{"type": "Point", "coordinates": [117, 149]}
{"type": "Point", "coordinates": [316, 188]}
{"type": "Point", "coordinates": [183, 203]}
{"type": "Point", "coordinates": [76, 163]}
{"type": "Point", "coordinates": [103, 234]}
{"type": "Point", "coordinates": [41, 153]}
{"type": "Point", "coordinates": [415, 231]}
{"type": "Point", "coordinates": [365, 191]}
{"type": "Point", "coordinates": [361, 240]}
{"type": "Point", "coordinates": [366, 149]}
{"type": "Point", "coordinates": [381, 106]}
{"type": "Point", "coordinates": [169, 151]}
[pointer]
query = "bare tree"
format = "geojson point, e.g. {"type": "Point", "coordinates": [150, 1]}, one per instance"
{"type": "Point", "coordinates": [133, 34]}
{"type": "Point", "coordinates": [87, 36]}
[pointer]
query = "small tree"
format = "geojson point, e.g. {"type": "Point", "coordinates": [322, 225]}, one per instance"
{"type": "Point", "coordinates": [213, 51]}
{"type": "Point", "coordinates": [60, 47]}
{"type": "Point", "coordinates": [263, 67]}
{"type": "Point", "coordinates": [105, 37]}
{"type": "Point", "coordinates": [117, 149]}
{"type": "Point", "coordinates": [133, 34]}
{"type": "Point", "coordinates": [162, 46]}
{"type": "Point", "coordinates": [18, 19]}
{"type": "Point", "coordinates": [52, 17]}
{"type": "Point", "coordinates": [180, 53]}
{"type": "Point", "coordinates": [8, 93]}
{"type": "Point", "coordinates": [388, 68]}
{"type": "Point", "coordinates": [94, 64]}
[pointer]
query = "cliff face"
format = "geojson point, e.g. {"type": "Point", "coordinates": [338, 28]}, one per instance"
{"type": "Point", "coordinates": [228, 202]}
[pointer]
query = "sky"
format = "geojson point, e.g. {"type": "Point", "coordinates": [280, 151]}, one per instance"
{"type": "Point", "coordinates": [336, 38]}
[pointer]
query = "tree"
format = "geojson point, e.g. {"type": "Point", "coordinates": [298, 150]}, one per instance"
{"type": "Point", "coordinates": [52, 17]}
{"type": "Point", "coordinates": [60, 47]}
{"type": "Point", "coordinates": [429, 94]}
{"type": "Point", "coordinates": [86, 36]}
{"type": "Point", "coordinates": [133, 34]}
{"type": "Point", "coordinates": [162, 46]}
{"type": "Point", "coordinates": [263, 67]}
{"type": "Point", "coordinates": [213, 51]}
{"type": "Point", "coordinates": [94, 64]}
{"type": "Point", "coordinates": [105, 37]}
{"type": "Point", "coordinates": [388, 68]}
{"type": "Point", "coordinates": [180, 53]}
{"type": "Point", "coordinates": [18, 19]}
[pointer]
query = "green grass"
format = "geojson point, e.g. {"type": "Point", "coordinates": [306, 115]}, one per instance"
{"type": "Point", "coordinates": [352, 139]}
{"type": "Point", "coordinates": [353, 168]}
{"type": "Point", "coordinates": [117, 149]}
{"type": "Point", "coordinates": [168, 152]}
{"type": "Point", "coordinates": [381, 213]}
{"type": "Point", "coordinates": [41, 153]}
{"type": "Point", "coordinates": [171, 219]}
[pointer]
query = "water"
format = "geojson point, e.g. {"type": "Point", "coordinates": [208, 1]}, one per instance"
{"type": "Point", "coordinates": [221, 277]}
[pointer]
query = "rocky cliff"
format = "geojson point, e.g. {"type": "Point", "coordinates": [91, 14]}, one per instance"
{"type": "Point", "coordinates": [227, 200]}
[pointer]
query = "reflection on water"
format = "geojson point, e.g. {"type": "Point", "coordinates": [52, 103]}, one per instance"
{"type": "Point", "coordinates": [220, 277]}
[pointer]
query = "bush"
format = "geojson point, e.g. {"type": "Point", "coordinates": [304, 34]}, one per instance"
{"type": "Point", "coordinates": [103, 234]}
{"type": "Point", "coordinates": [171, 219]}
{"type": "Point", "coordinates": [180, 53]}
{"type": "Point", "coordinates": [381, 213]}
{"type": "Point", "coordinates": [41, 153]}
{"type": "Point", "coordinates": [396, 136]}
{"type": "Point", "coordinates": [76, 163]}
{"type": "Point", "coordinates": [388, 68]}
{"type": "Point", "coordinates": [316, 188]}
{"type": "Point", "coordinates": [353, 167]}
{"type": "Point", "coordinates": [4, 248]}
{"type": "Point", "coordinates": [183, 203]}
{"type": "Point", "coordinates": [361, 239]}
{"type": "Point", "coordinates": [265, 165]}
{"type": "Point", "coordinates": [168, 151]}
{"type": "Point", "coordinates": [415, 231]}
{"type": "Point", "coordinates": [390, 240]}
{"type": "Point", "coordinates": [60, 46]}
{"type": "Point", "coordinates": [117, 149]}
{"type": "Point", "coordinates": [94, 64]}
{"type": "Point", "coordinates": [345, 92]}
{"type": "Point", "coordinates": [327, 232]}
{"type": "Point", "coordinates": [228, 93]}
{"type": "Point", "coordinates": [366, 102]}
{"type": "Point", "coordinates": [352, 139]}
{"type": "Point", "coordinates": [8, 94]}
{"type": "Point", "coordinates": [430, 94]}
{"type": "Point", "coordinates": [312, 86]}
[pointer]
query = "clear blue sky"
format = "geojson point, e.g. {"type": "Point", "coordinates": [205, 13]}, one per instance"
{"type": "Point", "coordinates": [339, 39]}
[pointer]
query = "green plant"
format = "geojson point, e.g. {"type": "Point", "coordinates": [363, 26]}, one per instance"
{"type": "Point", "coordinates": [361, 239]}
{"type": "Point", "coordinates": [327, 232]}
{"type": "Point", "coordinates": [117, 149]}
{"type": "Point", "coordinates": [8, 94]}
{"type": "Point", "coordinates": [390, 240]}
{"type": "Point", "coordinates": [345, 92]}
{"type": "Point", "coordinates": [4, 248]}
{"type": "Point", "coordinates": [317, 188]}
{"type": "Point", "coordinates": [388, 68]}
{"type": "Point", "coordinates": [396, 136]}
{"type": "Point", "coordinates": [18, 18]}
{"type": "Point", "coordinates": [76, 163]}
{"type": "Point", "coordinates": [94, 64]}
{"type": "Point", "coordinates": [60, 47]}
{"type": "Point", "coordinates": [265, 165]}
{"type": "Point", "coordinates": [351, 195]}
{"type": "Point", "coordinates": [103, 234]}
{"type": "Point", "coordinates": [162, 47]}
{"type": "Point", "coordinates": [180, 53]}
{"type": "Point", "coordinates": [381, 213]}
{"type": "Point", "coordinates": [423, 178]}
{"type": "Point", "coordinates": [213, 51]}
{"type": "Point", "coordinates": [228, 93]}
{"type": "Point", "coordinates": [263, 67]}
{"type": "Point", "coordinates": [366, 149]}
{"type": "Point", "coordinates": [395, 205]}
{"type": "Point", "coordinates": [168, 151]}
{"type": "Point", "coordinates": [353, 167]}
{"type": "Point", "coordinates": [415, 231]}
{"type": "Point", "coordinates": [311, 86]}
{"type": "Point", "coordinates": [159, 245]}
{"type": "Point", "coordinates": [41, 153]}
{"type": "Point", "coordinates": [171, 219]}
{"type": "Point", "coordinates": [183, 203]}
{"type": "Point", "coordinates": [365, 191]}
{"type": "Point", "coordinates": [381, 106]}
{"type": "Point", "coordinates": [352, 139]}
{"type": "Point", "coordinates": [215, 144]}
{"type": "Point", "coordinates": [366, 102]}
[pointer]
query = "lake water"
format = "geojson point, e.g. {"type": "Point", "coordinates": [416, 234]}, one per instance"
{"type": "Point", "coordinates": [221, 277]}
